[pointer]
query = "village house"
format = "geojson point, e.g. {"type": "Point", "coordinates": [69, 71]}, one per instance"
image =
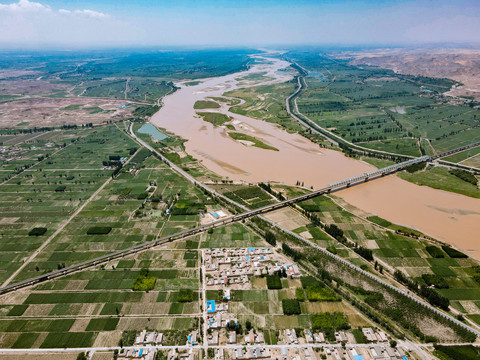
{"type": "Point", "coordinates": [291, 336]}
{"type": "Point", "coordinates": [213, 338]}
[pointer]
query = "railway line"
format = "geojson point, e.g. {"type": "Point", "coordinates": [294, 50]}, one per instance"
{"type": "Point", "coordinates": [247, 213]}
{"type": "Point", "coordinates": [337, 186]}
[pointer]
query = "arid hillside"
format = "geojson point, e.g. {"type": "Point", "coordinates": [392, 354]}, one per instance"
{"type": "Point", "coordinates": [462, 65]}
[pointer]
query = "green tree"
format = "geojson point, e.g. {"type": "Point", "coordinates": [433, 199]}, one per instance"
{"type": "Point", "coordinates": [82, 356]}
{"type": "Point", "coordinates": [270, 238]}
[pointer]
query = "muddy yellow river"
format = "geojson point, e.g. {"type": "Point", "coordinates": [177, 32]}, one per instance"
{"type": "Point", "coordinates": [445, 216]}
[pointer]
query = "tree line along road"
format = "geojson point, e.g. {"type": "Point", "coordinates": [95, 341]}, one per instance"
{"type": "Point", "coordinates": [238, 217]}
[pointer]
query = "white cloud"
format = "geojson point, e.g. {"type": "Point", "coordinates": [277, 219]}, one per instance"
{"type": "Point", "coordinates": [91, 13]}
{"type": "Point", "coordinates": [35, 24]}
{"type": "Point", "coordinates": [86, 12]}
{"type": "Point", "coordinates": [24, 6]}
{"type": "Point", "coordinates": [31, 23]}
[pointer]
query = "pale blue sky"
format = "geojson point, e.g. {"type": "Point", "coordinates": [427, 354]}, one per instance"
{"type": "Point", "coordinates": [235, 23]}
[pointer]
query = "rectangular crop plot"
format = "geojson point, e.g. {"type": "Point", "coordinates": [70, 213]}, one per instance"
{"type": "Point", "coordinates": [176, 308]}
{"type": "Point", "coordinates": [68, 340]}
{"type": "Point", "coordinates": [25, 340]}
{"type": "Point", "coordinates": [17, 310]}
{"type": "Point", "coordinates": [96, 297]}
{"type": "Point", "coordinates": [105, 324]}
{"type": "Point", "coordinates": [274, 282]}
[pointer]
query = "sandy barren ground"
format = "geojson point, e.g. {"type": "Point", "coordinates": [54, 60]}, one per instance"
{"type": "Point", "coordinates": [30, 87]}
{"type": "Point", "coordinates": [462, 65]}
{"type": "Point", "coordinates": [42, 112]}
{"type": "Point", "coordinates": [12, 73]}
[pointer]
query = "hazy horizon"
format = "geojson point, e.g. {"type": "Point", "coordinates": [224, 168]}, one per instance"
{"type": "Point", "coordinates": [144, 23]}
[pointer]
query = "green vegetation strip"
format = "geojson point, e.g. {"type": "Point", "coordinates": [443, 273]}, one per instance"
{"type": "Point", "coordinates": [206, 104]}
{"type": "Point", "coordinates": [401, 310]}
{"type": "Point", "coordinates": [216, 119]}
{"type": "Point", "coordinates": [255, 141]}
{"type": "Point", "coordinates": [441, 178]}
{"type": "Point", "coordinates": [144, 282]}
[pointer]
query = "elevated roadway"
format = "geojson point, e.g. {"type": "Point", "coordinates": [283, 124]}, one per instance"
{"type": "Point", "coordinates": [337, 186]}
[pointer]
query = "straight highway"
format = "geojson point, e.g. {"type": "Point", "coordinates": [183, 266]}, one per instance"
{"type": "Point", "coordinates": [292, 110]}
{"type": "Point", "coordinates": [202, 228]}
{"type": "Point", "coordinates": [343, 184]}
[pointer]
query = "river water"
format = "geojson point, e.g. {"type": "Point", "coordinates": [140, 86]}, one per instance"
{"type": "Point", "coordinates": [446, 216]}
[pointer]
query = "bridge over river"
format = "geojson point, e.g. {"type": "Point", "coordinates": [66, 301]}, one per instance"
{"type": "Point", "coordinates": [337, 186]}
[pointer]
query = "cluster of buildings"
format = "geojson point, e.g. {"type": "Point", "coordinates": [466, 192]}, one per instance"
{"type": "Point", "coordinates": [145, 354]}
{"type": "Point", "coordinates": [314, 338]}
{"type": "Point", "coordinates": [375, 352]}
{"type": "Point", "coordinates": [254, 338]}
{"type": "Point", "coordinates": [148, 338]}
{"type": "Point", "coordinates": [10, 153]}
{"type": "Point", "coordinates": [218, 319]}
{"type": "Point", "coordinates": [291, 336]}
{"type": "Point", "coordinates": [251, 353]}
{"type": "Point", "coordinates": [234, 266]}
{"type": "Point", "coordinates": [186, 355]}
{"type": "Point", "coordinates": [217, 315]}
{"type": "Point", "coordinates": [372, 336]}
{"type": "Point", "coordinates": [386, 353]}
{"type": "Point", "coordinates": [192, 338]}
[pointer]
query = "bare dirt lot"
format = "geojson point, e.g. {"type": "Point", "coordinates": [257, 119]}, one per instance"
{"type": "Point", "coordinates": [462, 65]}
{"type": "Point", "coordinates": [30, 87]}
{"type": "Point", "coordinates": [287, 218]}
{"type": "Point", "coordinates": [43, 112]}
{"type": "Point", "coordinates": [12, 73]}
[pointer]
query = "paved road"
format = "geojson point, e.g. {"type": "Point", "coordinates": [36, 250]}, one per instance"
{"type": "Point", "coordinates": [204, 302]}
{"type": "Point", "coordinates": [424, 354]}
{"type": "Point", "coordinates": [219, 223]}
{"type": "Point", "coordinates": [186, 347]}
{"type": "Point", "coordinates": [403, 344]}
{"type": "Point", "coordinates": [309, 243]}
{"type": "Point", "coordinates": [248, 213]}
{"type": "Point", "coordinates": [335, 139]}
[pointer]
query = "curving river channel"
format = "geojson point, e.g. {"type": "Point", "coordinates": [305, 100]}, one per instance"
{"type": "Point", "coordinates": [445, 216]}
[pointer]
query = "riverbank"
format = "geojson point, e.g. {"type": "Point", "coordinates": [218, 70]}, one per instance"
{"type": "Point", "coordinates": [448, 217]}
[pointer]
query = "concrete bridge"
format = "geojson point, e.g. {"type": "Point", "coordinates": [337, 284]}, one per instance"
{"type": "Point", "coordinates": [337, 186]}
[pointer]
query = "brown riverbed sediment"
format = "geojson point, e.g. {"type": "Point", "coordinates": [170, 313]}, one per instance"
{"type": "Point", "coordinates": [448, 217]}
